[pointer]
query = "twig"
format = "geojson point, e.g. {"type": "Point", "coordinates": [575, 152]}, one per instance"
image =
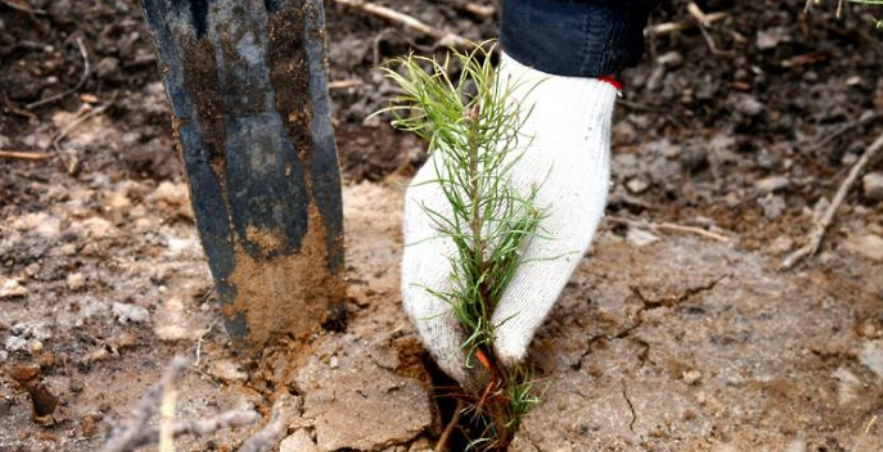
{"type": "Point", "coordinates": [692, 230]}
{"type": "Point", "coordinates": [444, 37]}
{"type": "Point", "coordinates": [224, 421]}
{"type": "Point", "coordinates": [137, 433]}
{"type": "Point", "coordinates": [271, 434]}
{"type": "Point", "coordinates": [87, 70]}
{"type": "Point", "coordinates": [818, 234]}
{"type": "Point", "coordinates": [344, 84]}
{"type": "Point", "coordinates": [671, 227]}
{"type": "Point", "coordinates": [22, 6]}
{"type": "Point", "coordinates": [122, 439]}
{"type": "Point", "coordinates": [199, 341]}
{"type": "Point", "coordinates": [33, 156]}
{"type": "Point", "coordinates": [442, 444]}
{"type": "Point", "coordinates": [704, 23]}
{"type": "Point", "coordinates": [698, 14]}
{"type": "Point", "coordinates": [482, 11]}
{"type": "Point", "coordinates": [167, 418]}
{"type": "Point", "coordinates": [862, 120]}
{"type": "Point", "coordinates": [861, 439]}
{"type": "Point", "coordinates": [671, 27]}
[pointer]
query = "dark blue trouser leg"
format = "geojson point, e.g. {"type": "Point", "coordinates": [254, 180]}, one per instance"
{"type": "Point", "coordinates": [576, 38]}
{"type": "Point", "coordinates": [247, 84]}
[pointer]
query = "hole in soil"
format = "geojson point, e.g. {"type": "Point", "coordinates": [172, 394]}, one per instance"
{"type": "Point", "coordinates": [446, 392]}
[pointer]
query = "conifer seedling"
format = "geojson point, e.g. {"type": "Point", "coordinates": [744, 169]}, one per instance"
{"type": "Point", "coordinates": [471, 124]}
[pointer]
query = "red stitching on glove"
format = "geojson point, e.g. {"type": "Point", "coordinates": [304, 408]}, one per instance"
{"type": "Point", "coordinates": [612, 81]}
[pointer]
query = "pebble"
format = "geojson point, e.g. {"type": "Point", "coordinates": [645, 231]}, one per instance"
{"type": "Point", "coordinates": [95, 228]}
{"type": "Point", "coordinates": [172, 322]}
{"type": "Point", "coordinates": [746, 104]}
{"type": "Point", "coordinates": [637, 185]}
{"type": "Point", "coordinates": [227, 371]}
{"type": "Point", "coordinates": [872, 186]}
{"type": "Point", "coordinates": [15, 343]}
{"type": "Point", "coordinates": [797, 445]}
{"type": "Point", "coordinates": [670, 59]}
{"type": "Point", "coordinates": [773, 206]}
{"type": "Point", "coordinates": [692, 377]}
{"type": "Point", "coordinates": [4, 355]}
{"type": "Point", "coordinates": [639, 237]}
{"type": "Point", "coordinates": [300, 441]}
{"type": "Point", "coordinates": [76, 281]}
{"type": "Point", "coordinates": [35, 346]}
{"type": "Point", "coordinates": [772, 184]}
{"type": "Point", "coordinates": [32, 330]}
{"type": "Point", "coordinates": [869, 246]}
{"type": "Point", "coordinates": [171, 194]}
{"type": "Point", "coordinates": [130, 313]}
{"type": "Point", "coordinates": [781, 245]}
{"type": "Point", "coordinates": [11, 288]}
{"type": "Point", "coordinates": [42, 223]}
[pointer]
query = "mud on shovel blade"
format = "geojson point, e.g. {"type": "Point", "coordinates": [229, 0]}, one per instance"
{"type": "Point", "coordinates": [247, 84]}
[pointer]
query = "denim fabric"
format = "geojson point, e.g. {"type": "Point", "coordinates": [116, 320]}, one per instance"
{"type": "Point", "coordinates": [578, 38]}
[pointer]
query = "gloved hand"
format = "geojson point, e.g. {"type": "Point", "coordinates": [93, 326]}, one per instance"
{"type": "Point", "coordinates": [568, 158]}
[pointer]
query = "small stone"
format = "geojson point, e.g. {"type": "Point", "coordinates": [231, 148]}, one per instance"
{"type": "Point", "coordinates": [32, 270]}
{"type": "Point", "coordinates": [107, 67]}
{"type": "Point", "coordinates": [772, 184]}
{"type": "Point", "coordinates": [639, 237]}
{"type": "Point", "coordinates": [746, 104]}
{"type": "Point", "coordinates": [4, 355]}
{"type": "Point", "coordinates": [116, 201]}
{"type": "Point", "coordinates": [171, 194]}
{"type": "Point", "coordinates": [15, 343]}
{"type": "Point", "coordinates": [868, 246]}
{"type": "Point", "coordinates": [227, 371]}
{"type": "Point", "coordinates": [300, 441]}
{"type": "Point", "coordinates": [692, 377]}
{"type": "Point", "coordinates": [334, 363]}
{"type": "Point", "coordinates": [770, 38]}
{"type": "Point", "coordinates": [95, 228]}
{"type": "Point", "coordinates": [35, 346]}
{"type": "Point", "coordinates": [68, 249]}
{"type": "Point", "coordinates": [40, 222]}
{"type": "Point", "coordinates": [872, 186]}
{"type": "Point", "coordinates": [76, 281]}
{"type": "Point", "coordinates": [637, 185]}
{"type": "Point", "coordinates": [130, 313]}
{"type": "Point", "coordinates": [11, 288]}
{"type": "Point", "coordinates": [32, 330]}
{"type": "Point", "coordinates": [773, 206]}
{"type": "Point", "coordinates": [670, 59]}
{"type": "Point", "coordinates": [797, 445]}
{"type": "Point", "coordinates": [781, 245]}
{"type": "Point", "coordinates": [172, 322]}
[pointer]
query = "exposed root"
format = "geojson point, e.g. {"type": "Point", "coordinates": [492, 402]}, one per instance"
{"type": "Point", "coordinates": [442, 444]}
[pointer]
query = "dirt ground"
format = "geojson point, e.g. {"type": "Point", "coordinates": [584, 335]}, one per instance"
{"type": "Point", "coordinates": [662, 341]}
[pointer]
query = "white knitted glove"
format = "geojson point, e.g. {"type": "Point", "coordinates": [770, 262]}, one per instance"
{"type": "Point", "coordinates": [569, 160]}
